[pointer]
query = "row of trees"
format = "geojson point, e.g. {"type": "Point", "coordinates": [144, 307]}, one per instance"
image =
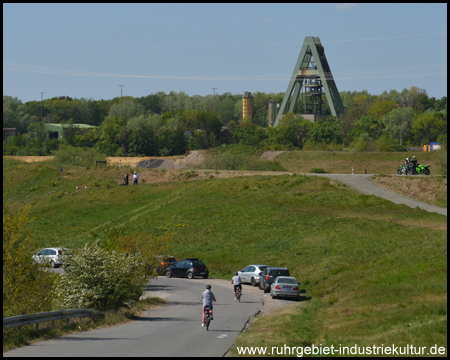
{"type": "Point", "coordinates": [169, 124]}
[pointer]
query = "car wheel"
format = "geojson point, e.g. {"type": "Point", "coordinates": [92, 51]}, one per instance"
{"type": "Point", "coordinates": [168, 273]}
{"type": "Point", "coordinates": [190, 275]}
{"type": "Point", "coordinates": [52, 264]}
{"type": "Point", "coordinates": [253, 281]}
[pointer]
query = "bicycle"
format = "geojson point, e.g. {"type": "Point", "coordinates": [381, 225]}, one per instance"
{"type": "Point", "coordinates": [208, 312]}
{"type": "Point", "coordinates": [238, 294]}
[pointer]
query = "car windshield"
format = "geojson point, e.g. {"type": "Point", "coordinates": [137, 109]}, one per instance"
{"type": "Point", "coordinates": [287, 281]}
{"type": "Point", "coordinates": [198, 263]}
{"type": "Point", "coordinates": [263, 267]}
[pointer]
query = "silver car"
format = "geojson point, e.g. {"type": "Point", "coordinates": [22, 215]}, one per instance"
{"type": "Point", "coordinates": [250, 274]}
{"type": "Point", "coordinates": [285, 286]}
{"type": "Point", "coordinates": [50, 255]}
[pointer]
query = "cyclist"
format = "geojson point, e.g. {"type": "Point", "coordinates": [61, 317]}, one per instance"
{"type": "Point", "coordinates": [236, 281]}
{"type": "Point", "coordinates": [207, 298]}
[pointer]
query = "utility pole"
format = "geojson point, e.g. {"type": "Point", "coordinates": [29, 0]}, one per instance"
{"type": "Point", "coordinates": [41, 92]}
{"type": "Point", "coordinates": [214, 100]}
{"type": "Point", "coordinates": [121, 86]}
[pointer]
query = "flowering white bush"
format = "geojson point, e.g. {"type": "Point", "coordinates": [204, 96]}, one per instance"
{"type": "Point", "coordinates": [97, 279]}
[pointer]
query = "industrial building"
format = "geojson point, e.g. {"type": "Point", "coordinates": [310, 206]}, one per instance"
{"type": "Point", "coordinates": [56, 130]}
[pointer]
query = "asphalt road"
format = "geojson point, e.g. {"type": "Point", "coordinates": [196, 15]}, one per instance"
{"type": "Point", "coordinates": [169, 330]}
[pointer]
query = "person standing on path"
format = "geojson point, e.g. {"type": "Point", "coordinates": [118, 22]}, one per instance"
{"type": "Point", "coordinates": [135, 178]}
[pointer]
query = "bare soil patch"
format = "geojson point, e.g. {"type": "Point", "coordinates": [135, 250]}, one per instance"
{"type": "Point", "coordinates": [30, 158]}
{"type": "Point", "coordinates": [132, 161]}
{"type": "Point", "coordinates": [270, 155]}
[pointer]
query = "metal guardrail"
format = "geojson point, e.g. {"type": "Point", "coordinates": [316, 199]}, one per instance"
{"type": "Point", "coordinates": [21, 320]}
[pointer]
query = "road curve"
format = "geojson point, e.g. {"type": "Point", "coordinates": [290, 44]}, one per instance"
{"type": "Point", "coordinates": [364, 184]}
{"type": "Point", "coordinates": [170, 330]}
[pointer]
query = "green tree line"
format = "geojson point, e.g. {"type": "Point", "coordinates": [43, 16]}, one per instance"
{"type": "Point", "coordinates": [170, 124]}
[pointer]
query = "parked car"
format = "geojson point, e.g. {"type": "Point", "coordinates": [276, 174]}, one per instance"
{"type": "Point", "coordinates": [188, 268]}
{"type": "Point", "coordinates": [52, 255]}
{"type": "Point", "coordinates": [163, 262]}
{"type": "Point", "coordinates": [285, 286]}
{"type": "Point", "coordinates": [250, 274]}
{"type": "Point", "coordinates": [268, 276]}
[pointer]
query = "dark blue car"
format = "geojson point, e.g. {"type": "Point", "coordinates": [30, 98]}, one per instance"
{"type": "Point", "coordinates": [188, 268]}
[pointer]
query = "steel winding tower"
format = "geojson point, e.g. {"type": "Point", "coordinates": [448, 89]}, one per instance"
{"type": "Point", "coordinates": [313, 74]}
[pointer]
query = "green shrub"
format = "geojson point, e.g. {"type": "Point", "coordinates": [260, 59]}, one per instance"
{"type": "Point", "coordinates": [69, 156]}
{"type": "Point", "coordinates": [360, 145]}
{"type": "Point", "coordinates": [318, 171]}
{"type": "Point", "coordinates": [97, 279]}
{"type": "Point", "coordinates": [26, 289]}
{"type": "Point", "coordinates": [386, 143]}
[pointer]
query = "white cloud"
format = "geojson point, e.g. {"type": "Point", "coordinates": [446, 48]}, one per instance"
{"type": "Point", "coordinates": [344, 6]}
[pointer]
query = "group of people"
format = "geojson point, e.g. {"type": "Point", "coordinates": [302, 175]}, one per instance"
{"type": "Point", "coordinates": [135, 178]}
{"type": "Point", "coordinates": [411, 165]}
{"type": "Point", "coordinates": [208, 296]}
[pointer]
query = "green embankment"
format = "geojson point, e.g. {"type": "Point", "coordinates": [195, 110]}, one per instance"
{"type": "Point", "coordinates": [373, 272]}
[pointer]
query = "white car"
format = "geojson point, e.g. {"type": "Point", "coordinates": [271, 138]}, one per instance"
{"type": "Point", "coordinates": [52, 255]}
{"type": "Point", "coordinates": [250, 274]}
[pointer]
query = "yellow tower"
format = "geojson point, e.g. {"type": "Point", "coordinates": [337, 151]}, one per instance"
{"type": "Point", "coordinates": [247, 106]}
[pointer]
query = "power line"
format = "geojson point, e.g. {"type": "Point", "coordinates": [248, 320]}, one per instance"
{"type": "Point", "coordinates": [411, 36]}
{"type": "Point", "coordinates": [386, 73]}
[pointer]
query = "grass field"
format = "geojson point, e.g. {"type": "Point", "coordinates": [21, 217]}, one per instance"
{"type": "Point", "coordinates": [375, 272]}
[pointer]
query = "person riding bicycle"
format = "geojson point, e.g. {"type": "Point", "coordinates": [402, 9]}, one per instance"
{"type": "Point", "coordinates": [236, 281]}
{"type": "Point", "coordinates": [207, 298]}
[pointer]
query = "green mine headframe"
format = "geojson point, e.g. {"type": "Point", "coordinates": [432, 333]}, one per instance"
{"type": "Point", "coordinates": [313, 74]}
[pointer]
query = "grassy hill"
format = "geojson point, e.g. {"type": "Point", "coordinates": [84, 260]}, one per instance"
{"type": "Point", "coordinates": [375, 272]}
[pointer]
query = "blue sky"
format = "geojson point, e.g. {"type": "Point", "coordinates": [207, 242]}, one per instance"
{"type": "Point", "coordinates": [88, 50]}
